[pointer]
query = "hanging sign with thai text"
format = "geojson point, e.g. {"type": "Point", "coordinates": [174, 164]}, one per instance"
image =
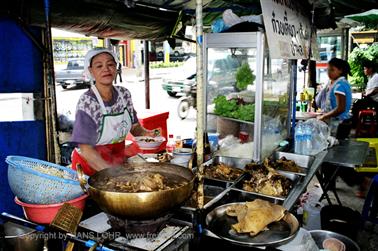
{"type": "Point", "coordinates": [288, 30]}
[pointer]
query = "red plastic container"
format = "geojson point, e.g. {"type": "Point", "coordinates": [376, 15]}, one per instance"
{"type": "Point", "coordinates": [150, 120]}
{"type": "Point", "coordinates": [44, 214]}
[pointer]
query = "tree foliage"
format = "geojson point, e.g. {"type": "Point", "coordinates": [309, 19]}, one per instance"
{"type": "Point", "coordinates": [356, 61]}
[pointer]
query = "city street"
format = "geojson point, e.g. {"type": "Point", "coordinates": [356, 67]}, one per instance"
{"type": "Point", "coordinates": [160, 101]}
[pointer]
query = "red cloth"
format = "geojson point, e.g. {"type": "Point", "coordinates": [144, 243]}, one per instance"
{"type": "Point", "coordinates": [113, 154]}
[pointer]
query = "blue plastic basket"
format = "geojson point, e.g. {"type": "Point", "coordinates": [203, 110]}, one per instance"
{"type": "Point", "coordinates": [31, 185]}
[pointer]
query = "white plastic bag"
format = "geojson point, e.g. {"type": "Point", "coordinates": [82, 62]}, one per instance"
{"type": "Point", "coordinates": [230, 146]}
{"type": "Point", "coordinates": [319, 135]}
{"type": "Point", "coordinates": [230, 18]}
{"type": "Point", "coordinates": [302, 241]}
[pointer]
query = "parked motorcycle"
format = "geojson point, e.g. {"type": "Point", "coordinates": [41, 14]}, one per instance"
{"type": "Point", "coordinates": [190, 97]}
{"type": "Point", "coordinates": [187, 101]}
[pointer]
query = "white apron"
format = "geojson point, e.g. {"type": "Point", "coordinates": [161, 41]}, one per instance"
{"type": "Point", "coordinates": [332, 122]}
{"type": "Point", "coordinates": [110, 143]}
{"type": "Point", "coordinates": [114, 127]}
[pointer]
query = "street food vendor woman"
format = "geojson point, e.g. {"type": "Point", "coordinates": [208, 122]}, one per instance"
{"type": "Point", "coordinates": [339, 99]}
{"type": "Point", "coordinates": [104, 116]}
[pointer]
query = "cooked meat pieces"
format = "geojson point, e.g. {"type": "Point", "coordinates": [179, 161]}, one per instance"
{"type": "Point", "coordinates": [223, 172]}
{"type": "Point", "coordinates": [267, 181]}
{"type": "Point", "coordinates": [283, 164]}
{"type": "Point", "coordinates": [253, 217]}
{"type": "Point", "coordinates": [138, 182]}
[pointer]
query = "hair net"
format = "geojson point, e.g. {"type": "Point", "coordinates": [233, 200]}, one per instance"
{"type": "Point", "coordinates": [92, 53]}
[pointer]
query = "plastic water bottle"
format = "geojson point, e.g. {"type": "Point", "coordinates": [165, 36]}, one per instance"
{"type": "Point", "coordinates": [305, 139]}
{"type": "Point", "coordinates": [298, 141]}
{"type": "Point", "coordinates": [308, 140]}
{"type": "Point", "coordinates": [311, 215]}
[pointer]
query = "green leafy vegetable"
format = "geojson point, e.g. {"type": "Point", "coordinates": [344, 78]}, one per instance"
{"type": "Point", "coordinates": [245, 112]}
{"type": "Point", "coordinates": [231, 109]}
{"type": "Point", "coordinates": [356, 60]}
{"type": "Point", "coordinates": [224, 107]}
{"type": "Point", "coordinates": [244, 77]}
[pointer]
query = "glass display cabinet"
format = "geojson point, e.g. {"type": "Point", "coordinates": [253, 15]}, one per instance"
{"type": "Point", "coordinates": [247, 93]}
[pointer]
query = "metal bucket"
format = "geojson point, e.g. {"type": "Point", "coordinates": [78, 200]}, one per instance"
{"type": "Point", "coordinates": [21, 238]}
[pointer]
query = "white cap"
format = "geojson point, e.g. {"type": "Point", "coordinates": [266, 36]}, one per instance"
{"type": "Point", "coordinates": [92, 53]}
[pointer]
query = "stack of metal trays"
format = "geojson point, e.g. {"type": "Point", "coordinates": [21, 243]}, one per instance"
{"type": "Point", "coordinates": [218, 192]}
{"type": "Point", "coordinates": [304, 163]}
{"type": "Point", "coordinates": [214, 188]}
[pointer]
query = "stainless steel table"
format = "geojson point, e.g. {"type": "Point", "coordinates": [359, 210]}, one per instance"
{"type": "Point", "coordinates": [348, 154]}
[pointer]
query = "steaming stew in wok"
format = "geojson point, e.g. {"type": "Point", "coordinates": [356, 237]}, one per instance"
{"type": "Point", "coordinates": [141, 182]}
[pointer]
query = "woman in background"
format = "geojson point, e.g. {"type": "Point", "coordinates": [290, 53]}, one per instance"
{"type": "Point", "coordinates": [339, 99]}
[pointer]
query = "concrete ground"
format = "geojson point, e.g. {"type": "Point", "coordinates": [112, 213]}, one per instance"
{"type": "Point", "coordinates": [368, 236]}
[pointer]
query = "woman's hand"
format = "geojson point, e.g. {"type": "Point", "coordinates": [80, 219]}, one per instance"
{"type": "Point", "coordinates": [322, 117]}
{"type": "Point", "coordinates": [93, 158]}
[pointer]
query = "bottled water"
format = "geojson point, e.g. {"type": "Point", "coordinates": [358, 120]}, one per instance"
{"type": "Point", "coordinates": [307, 139]}
{"type": "Point", "coordinates": [298, 138]}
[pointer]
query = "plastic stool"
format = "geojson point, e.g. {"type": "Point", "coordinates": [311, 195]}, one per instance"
{"type": "Point", "coordinates": [367, 125]}
{"type": "Point", "coordinates": [373, 143]}
{"type": "Point", "coordinates": [370, 209]}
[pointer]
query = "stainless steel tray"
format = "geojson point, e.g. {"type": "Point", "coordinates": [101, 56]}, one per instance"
{"type": "Point", "coordinates": [296, 179]}
{"type": "Point", "coordinates": [279, 232]}
{"type": "Point", "coordinates": [302, 161]}
{"type": "Point", "coordinates": [236, 195]}
{"type": "Point", "coordinates": [211, 193]}
{"type": "Point", "coordinates": [230, 161]}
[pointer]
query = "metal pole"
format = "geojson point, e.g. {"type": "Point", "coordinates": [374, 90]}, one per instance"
{"type": "Point", "coordinates": [293, 94]}
{"type": "Point", "coordinates": [346, 41]}
{"type": "Point", "coordinates": [200, 100]}
{"type": "Point", "coordinates": [343, 43]}
{"type": "Point", "coordinates": [50, 96]}
{"type": "Point", "coordinates": [147, 73]}
{"type": "Point", "coordinates": [259, 97]}
{"type": "Point", "coordinates": [311, 74]}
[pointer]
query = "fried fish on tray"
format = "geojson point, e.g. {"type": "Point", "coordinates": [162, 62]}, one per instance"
{"type": "Point", "coordinates": [254, 217]}
{"type": "Point", "coordinates": [223, 172]}
{"type": "Point", "coordinates": [266, 180]}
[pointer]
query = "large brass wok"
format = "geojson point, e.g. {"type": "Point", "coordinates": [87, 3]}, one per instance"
{"type": "Point", "coordinates": [139, 205]}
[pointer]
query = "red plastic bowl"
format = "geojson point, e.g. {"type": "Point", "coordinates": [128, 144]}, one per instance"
{"type": "Point", "coordinates": [44, 214]}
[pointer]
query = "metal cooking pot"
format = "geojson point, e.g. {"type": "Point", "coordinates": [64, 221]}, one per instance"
{"type": "Point", "coordinates": [139, 205]}
{"type": "Point", "coordinates": [320, 235]}
{"type": "Point", "coordinates": [21, 238]}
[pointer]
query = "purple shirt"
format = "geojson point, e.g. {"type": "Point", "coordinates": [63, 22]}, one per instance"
{"type": "Point", "coordinates": [88, 120]}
